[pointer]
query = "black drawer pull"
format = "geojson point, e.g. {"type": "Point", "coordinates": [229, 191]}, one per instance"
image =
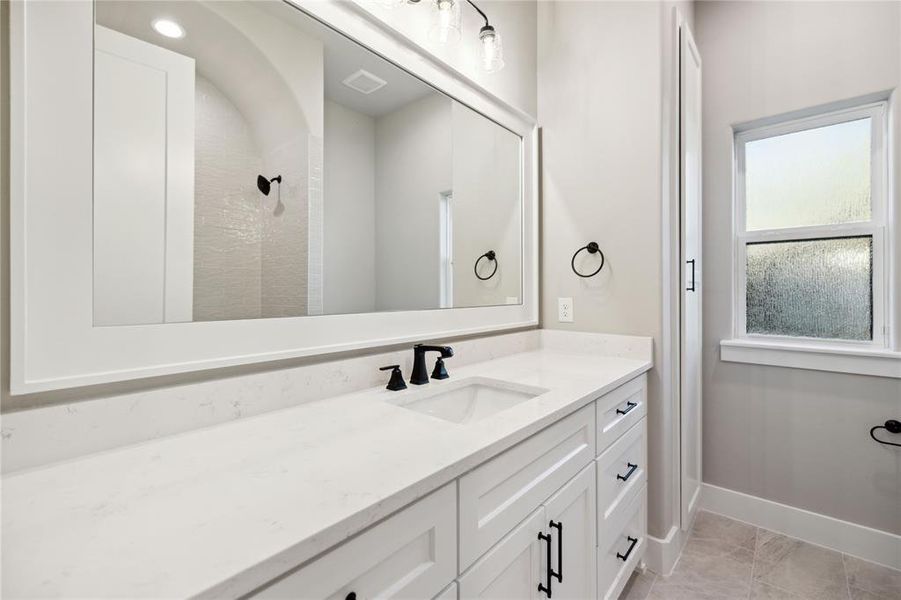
{"type": "Point", "coordinates": [549, 573]}
{"type": "Point", "coordinates": [628, 473]}
{"type": "Point", "coordinates": [625, 556]}
{"type": "Point", "coordinates": [351, 596]}
{"type": "Point", "coordinates": [629, 407]}
{"type": "Point", "coordinates": [559, 572]}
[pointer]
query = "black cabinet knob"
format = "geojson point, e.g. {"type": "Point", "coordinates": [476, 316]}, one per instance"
{"type": "Point", "coordinates": [351, 596]}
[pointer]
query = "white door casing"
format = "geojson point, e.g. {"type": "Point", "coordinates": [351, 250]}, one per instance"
{"type": "Point", "coordinates": [690, 248]}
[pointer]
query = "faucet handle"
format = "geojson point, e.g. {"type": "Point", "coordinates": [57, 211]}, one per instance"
{"type": "Point", "coordinates": [397, 382]}
{"type": "Point", "coordinates": [439, 372]}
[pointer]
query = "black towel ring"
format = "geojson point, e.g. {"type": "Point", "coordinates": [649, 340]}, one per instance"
{"type": "Point", "coordinates": [592, 248]}
{"type": "Point", "coordinates": [490, 255]}
{"type": "Point", "coordinates": [892, 426]}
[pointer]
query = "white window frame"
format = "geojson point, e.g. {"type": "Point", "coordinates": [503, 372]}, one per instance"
{"type": "Point", "coordinates": [446, 248]}
{"type": "Point", "coordinates": [878, 227]}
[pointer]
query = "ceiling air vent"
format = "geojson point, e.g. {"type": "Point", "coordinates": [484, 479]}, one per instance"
{"type": "Point", "coordinates": [364, 82]}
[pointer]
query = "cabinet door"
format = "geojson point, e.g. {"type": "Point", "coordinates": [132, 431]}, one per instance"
{"type": "Point", "coordinates": [512, 569]}
{"type": "Point", "coordinates": [409, 556]}
{"type": "Point", "coordinates": [573, 513]}
{"type": "Point", "coordinates": [500, 493]}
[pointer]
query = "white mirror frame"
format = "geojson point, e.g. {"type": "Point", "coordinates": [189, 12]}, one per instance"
{"type": "Point", "coordinates": [54, 342]}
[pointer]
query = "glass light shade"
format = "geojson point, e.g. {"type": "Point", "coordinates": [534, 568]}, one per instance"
{"type": "Point", "coordinates": [446, 19]}
{"type": "Point", "coordinates": [492, 51]}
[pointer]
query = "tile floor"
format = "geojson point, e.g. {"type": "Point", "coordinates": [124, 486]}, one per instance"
{"type": "Point", "coordinates": [726, 559]}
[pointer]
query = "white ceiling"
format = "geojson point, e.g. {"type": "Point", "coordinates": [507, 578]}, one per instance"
{"type": "Point", "coordinates": [342, 57]}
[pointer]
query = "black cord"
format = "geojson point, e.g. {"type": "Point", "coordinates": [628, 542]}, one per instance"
{"type": "Point", "coordinates": [892, 426]}
{"type": "Point", "coordinates": [479, 10]}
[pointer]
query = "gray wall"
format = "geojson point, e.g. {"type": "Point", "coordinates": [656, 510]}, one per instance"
{"type": "Point", "coordinates": [604, 92]}
{"type": "Point", "coordinates": [413, 166]}
{"type": "Point", "coordinates": [349, 231]}
{"type": "Point", "coordinates": [793, 436]}
{"type": "Point", "coordinates": [486, 208]}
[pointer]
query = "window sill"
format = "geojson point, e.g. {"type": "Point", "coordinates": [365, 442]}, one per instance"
{"type": "Point", "coordinates": [837, 359]}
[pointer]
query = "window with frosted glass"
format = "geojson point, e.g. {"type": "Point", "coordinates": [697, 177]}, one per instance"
{"type": "Point", "coordinates": [817, 176]}
{"type": "Point", "coordinates": [811, 230]}
{"type": "Point", "coordinates": [811, 288]}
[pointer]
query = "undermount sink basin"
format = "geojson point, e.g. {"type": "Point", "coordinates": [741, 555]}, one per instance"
{"type": "Point", "coordinates": [468, 400]}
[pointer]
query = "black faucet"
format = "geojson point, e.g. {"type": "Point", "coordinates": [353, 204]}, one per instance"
{"type": "Point", "coordinates": [397, 378]}
{"type": "Point", "coordinates": [420, 373]}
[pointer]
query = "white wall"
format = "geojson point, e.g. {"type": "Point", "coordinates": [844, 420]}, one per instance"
{"type": "Point", "coordinates": [792, 436]}
{"type": "Point", "coordinates": [600, 99]}
{"type": "Point", "coordinates": [413, 167]}
{"type": "Point", "coordinates": [349, 235]}
{"type": "Point", "coordinates": [381, 217]}
{"type": "Point", "coordinates": [487, 209]}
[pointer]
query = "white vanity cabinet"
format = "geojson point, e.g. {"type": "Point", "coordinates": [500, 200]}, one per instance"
{"type": "Point", "coordinates": [563, 510]}
{"type": "Point", "coordinates": [555, 543]}
{"type": "Point", "coordinates": [500, 493]}
{"type": "Point", "coordinates": [622, 485]}
{"type": "Point", "coordinates": [412, 554]}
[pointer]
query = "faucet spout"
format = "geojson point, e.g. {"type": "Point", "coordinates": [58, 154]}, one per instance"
{"type": "Point", "coordinates": [420, 373]}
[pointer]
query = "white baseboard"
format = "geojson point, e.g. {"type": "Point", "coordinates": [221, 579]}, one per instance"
{"type": "Point", "coordinates": [661, 554]}
{"type": "Point", "coordinates": [869, 544]}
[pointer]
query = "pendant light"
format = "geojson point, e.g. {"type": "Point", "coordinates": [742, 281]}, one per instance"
{"type": "Point", "coordinates": [490, 49]}
{"type": "Point", "coordinates": [446, 29]}
{"type": "Point", "coordinates": [446, 22]}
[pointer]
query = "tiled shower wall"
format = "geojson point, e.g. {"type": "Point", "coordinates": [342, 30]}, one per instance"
{"type": "Point", "coordinates": [283, 284]}
{"type": "Point", "coordinates": [227, 215]}
{"type": "Point", "coordinates": [250, 257]}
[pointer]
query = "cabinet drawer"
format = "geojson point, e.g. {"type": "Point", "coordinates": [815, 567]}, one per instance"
{"type": "Point", "coordinates": [622, 471]}
{"type": "Point", "coordinates": [500, 493]}
{"type": "Point", "coordinates": [410, 555]}
{"type": "Point", "coordinates": [621, 552]}
{"type": "Point", "coordinates": [621, 409]}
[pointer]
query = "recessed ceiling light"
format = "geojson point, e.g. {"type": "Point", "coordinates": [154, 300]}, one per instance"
{"type": "Point", "coordinates": [168, 28]}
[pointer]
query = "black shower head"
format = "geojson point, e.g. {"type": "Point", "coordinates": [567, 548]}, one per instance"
{"type": "Point", "coordinates": [264, 185]}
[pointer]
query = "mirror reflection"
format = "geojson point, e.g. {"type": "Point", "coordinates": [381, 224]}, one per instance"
{"type": "Point", "coordinates": [250, 162]}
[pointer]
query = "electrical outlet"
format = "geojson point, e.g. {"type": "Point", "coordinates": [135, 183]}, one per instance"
{"type": "Point", "coordinates": [565, 310]}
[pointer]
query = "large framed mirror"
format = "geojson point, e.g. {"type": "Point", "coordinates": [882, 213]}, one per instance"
{"type": "Point", "coordinates": [242, 181]}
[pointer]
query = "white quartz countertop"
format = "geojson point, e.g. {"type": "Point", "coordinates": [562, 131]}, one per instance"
{"type": "Point", "coordinates": [217, 512]}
